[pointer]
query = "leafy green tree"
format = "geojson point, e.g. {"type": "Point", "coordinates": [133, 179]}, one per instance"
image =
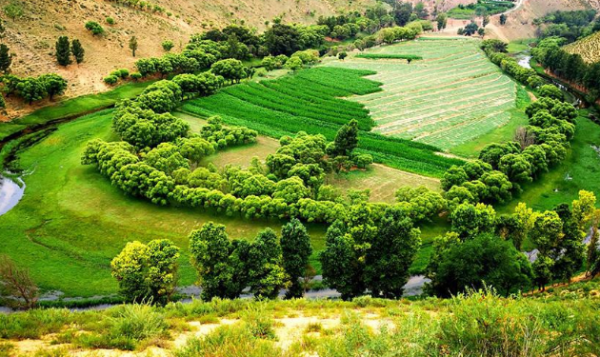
{"type": "Point", "coordinates": [265, 269]}
{"type": "Point", "coordinates": [516, 167]}
{"type": "Point", "coordinates": [77, 51]}
{"type": "Point", "coordinates": [472, 220]}
{"type": "Point", "coordinates": [338, 262]}
{"type": "Point", "coordinates": [133, 46]}
{"type": "Point", "coordinates": [167, 45]}
{"type": "Point", "coordinates": [282, 40]}
{"type": "Point", "coordinates": [392, 252]}
{"type": "Point", "coordinates": [147, 273]}
{"type": "Point", "coordinates": [492, 153]}
{"type": "Point", "coordinates": [542, 271]}
{"type": "Point", "coordinates": [5, 58]}
{"type": "Point", "coordinates": [294, 64]}
{"type": "Point", "coordinates": [454, 176]}
{"type": "Point", "coordinates": [53, 84]}
{"type": "Point", "coordinates": [503, 19]}
{"type": "Point", "coordinates": [442, 21]}
{"type": "Point", "coordinates": [219, 261]}
{"type": "Point", "coordinates": [546, 231]}
{"type": "Point", "coordinates": [551, 91]}
{"type": "Point", "coordinates": [230, 69]}
{"type": "Point", "coordinates": [569, 253]}
{"type": "Point", "coordinates": [94, 28]}
{"type": "Point", "coordinates": [485, 259]}
{"type": "Point", "coordinates": [346, 139]}
{"type": "Point", "coordinates": [471, 29]}
{"type": "Point", "coordinates": [63, 51]}
{"type": "Point", "coordinates": [296, 249]}
{"type": "Point", "coordinates": [31, 89]}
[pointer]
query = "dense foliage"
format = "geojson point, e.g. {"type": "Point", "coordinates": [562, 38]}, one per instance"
{"type": "Point", "coordinates": [33, 89]}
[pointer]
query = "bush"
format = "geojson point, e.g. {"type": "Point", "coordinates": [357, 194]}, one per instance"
{"type": "Point", "coordinates": [135, 76]}
{"type": "Point", "coordinates": [94, 27]}
{"type": "Point", "coordinates": [167, 45]}
{"type": "Point", "coordinates": [110, 21]}
{"type": "Point", "coordinates": [110, 80]}
{"type": "Point", "coordinates": [123, 73]}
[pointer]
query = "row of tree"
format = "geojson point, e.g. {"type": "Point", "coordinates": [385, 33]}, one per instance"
{"type": "Point", "coordinates": [570, 25]}
{"type": "Point", "coordinates": [484, 248]}
{"type": "Point", "coordinates": [569, 66]}
{"type": "Point", "coordinates": [496, 52]}
{"type": "Point", "coordinates": [502, 168]}
{"type": "Point", "coordinates": [65, 48]}
{"type": "Point", "coordinates": [149, 272]}
{"type": "Point", "coordinates": [32, 89]}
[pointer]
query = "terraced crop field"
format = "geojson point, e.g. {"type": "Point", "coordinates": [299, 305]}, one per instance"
{"type": "Point", "coordinates": [455, 94]}
{"type": "Point", "coordinates": [311, 101]}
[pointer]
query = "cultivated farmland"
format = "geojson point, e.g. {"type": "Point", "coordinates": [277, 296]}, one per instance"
{"type": "Point", "coordinates": [310, 101]}
{"type": "Point", "coordinates": [455, 94]}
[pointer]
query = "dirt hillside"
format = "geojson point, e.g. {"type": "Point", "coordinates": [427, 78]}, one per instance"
{"type": "Point", "coordinates": [520, 21]}
{"type": "Point", "coordinates": [32, 36]}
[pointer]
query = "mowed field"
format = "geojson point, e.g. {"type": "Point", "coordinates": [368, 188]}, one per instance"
{"type": "Point", "coordinates": [454, 95]}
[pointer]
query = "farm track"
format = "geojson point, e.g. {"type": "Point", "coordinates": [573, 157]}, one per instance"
{"type": "Point", "coordinates": [455, 94]}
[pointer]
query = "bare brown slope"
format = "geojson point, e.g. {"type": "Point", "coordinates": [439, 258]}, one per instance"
{"type": "Point", "coordinates": [520, 21]}
{"type": "Point", "coordinates": [32, 37]}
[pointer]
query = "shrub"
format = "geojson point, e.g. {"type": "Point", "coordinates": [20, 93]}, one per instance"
{"type": "Point", "coordinates": [14, 10]}
{"type": "Point", "coordinates": [110, 80]}
{"type": "Point", "coordinates": [110, 21]}
{"type": "Point", "coordinates": [94, 27]}
{"type": "Point", "coordinates": [135, 76]}
{"type": "Point", "coordinates": [167, 45]}
{"type": "Point", "coordinates": [123, 73]}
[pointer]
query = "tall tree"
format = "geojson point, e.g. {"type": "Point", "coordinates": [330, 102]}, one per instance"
{"type": "Point", "coordinates": [346, 139]}
{"type": "Point", "coordinates": [147, 273]}
{"type": "Point", "coordinates": [503, 19]}
{"type": "Point", "coordinates": [392, 252]}
{"type": "Point", "coordinates": [133, 45]}
{"type": "Point", "coordinates": [296, 249]}
{"type": "Point", "coordinates": [5, 58]}
{"type": "Point", "coordinates": [442, 21]}
{"type": "Point", "coordinates": [63, 51]}
{"type": "Point", "coordinates": [266, 274]}
{"type": "Point", "coordinates": [53, 84]}
{"type": "Point", "coordinates": [77, 51]}
{"type": "Point", "coordinates": [220, 262]}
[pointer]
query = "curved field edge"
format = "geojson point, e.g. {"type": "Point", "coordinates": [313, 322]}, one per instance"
{"type": "Point", "coordinates": [322, 86]}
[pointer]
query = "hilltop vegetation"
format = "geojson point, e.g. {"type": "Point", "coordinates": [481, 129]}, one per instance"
{"type": "Point", "coordinates": [588, 47]}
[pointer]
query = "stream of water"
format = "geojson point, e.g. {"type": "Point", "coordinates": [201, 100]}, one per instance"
{"type": "Point", "coordinates": [11, 193]}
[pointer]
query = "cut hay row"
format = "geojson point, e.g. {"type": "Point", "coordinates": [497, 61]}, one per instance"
{"type": "Point", "coordinates": [455, 94]}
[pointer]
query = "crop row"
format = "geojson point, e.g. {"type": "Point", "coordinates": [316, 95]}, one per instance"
{"type": "Point", "coordinates": [388, 56]}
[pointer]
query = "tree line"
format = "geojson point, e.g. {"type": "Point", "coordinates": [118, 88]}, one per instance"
{"type": "Point", "coordinates": [568, 66]}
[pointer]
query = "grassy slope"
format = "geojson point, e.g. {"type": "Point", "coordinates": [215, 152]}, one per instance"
{"type": "Point", "coordinates": [580, 171]}
{"type": "Point", "coordinates": [563, 323]}
{"type": "Point", "coordinates": [588, 48]}
{"type": "Point", "coordinates": [72, 222]}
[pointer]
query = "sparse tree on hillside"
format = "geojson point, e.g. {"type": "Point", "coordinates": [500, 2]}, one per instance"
{"type": "Point", "coordinates": [16, 282]}
{"type": "Point", "coordinates": [5, 58]}
{"type": "Point", "coordinates": [503, 19]}
{"type": "Point", "coordinates": [442, 21]}
{"type": "Point", "coordinates": [133, 45]}
{"type": "Point", "coordinates": [63, 51]}
{"type": "Point", "coordinates": [485, 21]}
{"type": "Point", "coordinates": [53, 84]}
{"type": "Point", "coordinates": [77, 51]}
{"type": "Point", "coordinates": [296, 249]}
{"type": "Point", "coordinates": [481, 32]}
{"type": "Point", "coordinates": [2, 30]}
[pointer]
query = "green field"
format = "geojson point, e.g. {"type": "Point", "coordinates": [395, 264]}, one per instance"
{"type": "Point", "coordinates": [72, 222]}
{"type": "Point", "coordinates": [492, 7]}
{"type": "Point", "coordinates": [310, 101]}
{"type": "Point", "coordinates": [451, 97]}
{"type": "Point", "coordinates": [580, 171]}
